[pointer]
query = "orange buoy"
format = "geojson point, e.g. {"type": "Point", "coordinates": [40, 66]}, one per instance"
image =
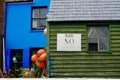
{"type": "Point", "coordinates": [43, 57]}
{"type": "Point", "coordinates": [45, 31]}
{"type": "Point", "coordinates": [41, 51]}
{"type": "Point", "coordinates": [34, 58]}
{"type": "Point", "coordinates": [40, 64]}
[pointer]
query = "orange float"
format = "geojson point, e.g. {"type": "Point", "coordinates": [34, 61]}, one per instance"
{"type": "Point", "coordinates": [41, 51]}
{"type": "Point", "coordinates": [40, 64]}
{"type": "Point", "coordinates": [42, 57]}
{"type": "Point", "coordinates": [45, 31]}
{"type": "Point", "coordinates": [34, 58]}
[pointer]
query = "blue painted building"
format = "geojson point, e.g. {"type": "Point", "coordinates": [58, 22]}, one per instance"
{"type": "Point", "coordinates": [25, 22]}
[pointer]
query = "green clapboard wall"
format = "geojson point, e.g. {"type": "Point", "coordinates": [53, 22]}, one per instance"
{"type": "Point", "coordinates": [82, 64]}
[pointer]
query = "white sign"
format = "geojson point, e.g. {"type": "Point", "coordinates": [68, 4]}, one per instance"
{"type": "Point", "coordinates": [68, 42]}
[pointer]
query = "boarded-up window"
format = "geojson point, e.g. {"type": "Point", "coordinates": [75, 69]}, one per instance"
{"type": "Point", "coordinates": [39, 18]}
{"type": "Point", "coordinates": [98, 38]}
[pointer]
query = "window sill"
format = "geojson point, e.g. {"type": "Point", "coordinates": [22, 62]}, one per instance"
{"type": "Point", "coordinates": [99, 52]}
{"type": "Point", "coordinates": [33, 31]}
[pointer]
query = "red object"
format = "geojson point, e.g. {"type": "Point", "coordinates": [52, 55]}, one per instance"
{"type": "Point", "coordinates": [40, 64]}
{"type": "Point", "coordinates": [34, 58]}
{"type": "Point", "coordinates": [45, 31]}
{"type": "Point", "coordinates": [43, 57]}
{"type": "Point", "coordinates": [41, 51]}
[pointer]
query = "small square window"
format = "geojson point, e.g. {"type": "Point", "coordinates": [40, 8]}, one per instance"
{"type": "Point", "coordinates": [39, 15]}
{"type": "Point", "coordinates": [98, 38]}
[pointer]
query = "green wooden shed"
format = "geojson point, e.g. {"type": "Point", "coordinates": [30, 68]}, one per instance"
{"type": "Point", "coordinates": [83, 39]}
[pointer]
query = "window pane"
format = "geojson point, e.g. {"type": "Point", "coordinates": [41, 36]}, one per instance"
{"type": "Point", "coordinates": [39, 24]}
{"type": "Point", "coordinates": [36, 13]}
{"type": "Point", "coordinates": [92, 35]}
{"type": "Point", "coordinates": [103, 39]}
{"type": "Point", "coordinates": [92, 32]}
{"type": "Point", "coordinates": [35, 23]}
{"type": "Point", "coordinates": [103, 44]}
{"type": "Point", "coordinates": [92, 40]}
{"type": "Point", "coordinates": [103, 31]}
{"type": "Point", "coordinates": [93, 47]}
{"type": "Point", "coordinates": [43, 22]}
{"type": "Point", "coordinates": [43, 13]}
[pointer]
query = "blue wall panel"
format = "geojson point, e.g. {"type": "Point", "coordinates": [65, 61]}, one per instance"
{"type": "Point", "coordinates": [18, 29]}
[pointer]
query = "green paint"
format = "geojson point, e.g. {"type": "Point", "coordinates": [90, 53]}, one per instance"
{"type": "Point", "coordinates": [83, 64]}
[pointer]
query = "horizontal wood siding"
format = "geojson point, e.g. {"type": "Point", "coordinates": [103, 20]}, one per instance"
{"type": "Point", "coordinates": [82, 64]}
{"type": "Point", "coordinates": [115, 39]}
